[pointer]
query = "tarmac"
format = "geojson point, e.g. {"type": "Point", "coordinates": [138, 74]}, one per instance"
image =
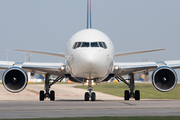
{"type": "Point", "coordinates": [70, 103]}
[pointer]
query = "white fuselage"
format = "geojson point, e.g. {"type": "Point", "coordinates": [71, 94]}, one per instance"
{"type": "Point", "coordinates": [94, 58]}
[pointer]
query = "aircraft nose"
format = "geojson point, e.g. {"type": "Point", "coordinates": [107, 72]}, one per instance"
{"type": "Point", "coordinates": [89, 58]}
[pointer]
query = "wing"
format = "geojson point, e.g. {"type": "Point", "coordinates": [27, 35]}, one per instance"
{"type": "Point", "coordinates": [125, 68]}
{"type": "Point", "coordinates": [137, 52]}
{"type": "Point", "coordinates": [45, 53]}
{"type": "Point", "coordinates": [33, 67]}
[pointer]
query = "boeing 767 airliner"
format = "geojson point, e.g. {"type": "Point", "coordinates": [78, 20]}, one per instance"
{"type": "Point", "coordinates": [89, 57]}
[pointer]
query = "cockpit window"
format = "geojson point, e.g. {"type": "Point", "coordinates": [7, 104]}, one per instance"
{"type": "Point", "coordinates": [103, 45]}
{"type": "Point", "coordinates": [76, 45]}
{"type": "Point", "coordinates": [85, 44]}
{"type": "Point", "coordinates": [94, 44]}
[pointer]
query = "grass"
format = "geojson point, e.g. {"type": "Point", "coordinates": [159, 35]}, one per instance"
{"type": "Point", "coordinates": [147, 91]}
{"type": "Point", "coordinates": [111, 118]}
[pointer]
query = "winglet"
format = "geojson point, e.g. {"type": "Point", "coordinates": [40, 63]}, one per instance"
{"type": "Point", "coordinates": [89, 14]}
{"type": "Point", "coordinates": [137, 52]}
{"type": "Point", "coordinates": [45, 53]}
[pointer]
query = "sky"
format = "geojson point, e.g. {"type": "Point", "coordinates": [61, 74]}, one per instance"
{"type": "Point", "coordinates": [132, 25]}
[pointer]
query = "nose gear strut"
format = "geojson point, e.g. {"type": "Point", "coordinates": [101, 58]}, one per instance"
{"type": "Point", "coordinates": [90, 94]}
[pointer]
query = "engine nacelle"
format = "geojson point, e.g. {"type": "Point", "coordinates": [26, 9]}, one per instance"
{"type": "Point", "coordinates": [164, 79]}
{"type": "Point", "coordinates": [15, 79]}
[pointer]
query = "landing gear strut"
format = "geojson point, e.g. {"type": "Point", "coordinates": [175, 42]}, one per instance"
{"type": "Point", "coordinates": [129, 94]}
{"type": "Point", "coordinates": [47, 87]}
{"type": "Point", "coordinates": [90, 94]}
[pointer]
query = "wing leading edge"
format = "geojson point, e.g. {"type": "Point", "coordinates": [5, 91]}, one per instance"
{"type": "Point", "coordinates": [137, 52]}
{"type": "Point", "coordinates": [45, 53]}
{"type": "Point", "coordinates": [125, 68]}
{"type": "Point", "coordinates": [42, 68]}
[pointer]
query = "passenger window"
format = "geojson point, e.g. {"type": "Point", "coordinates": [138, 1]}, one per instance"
{"type": "Point", "coordinates": [94, 44]}
{"type": "Point", "coordinates": [85, 44]}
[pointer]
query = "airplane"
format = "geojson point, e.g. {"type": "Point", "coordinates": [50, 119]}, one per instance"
{"type": "Point", "coordinates": [89, 57]}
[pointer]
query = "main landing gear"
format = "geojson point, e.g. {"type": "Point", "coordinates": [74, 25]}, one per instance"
{"type": "Point", "coordinates": [129, 94]}
{"type": "Point", "coordinates": [90, 94]}
{"type": "Point", "coordinates": [47, 94]}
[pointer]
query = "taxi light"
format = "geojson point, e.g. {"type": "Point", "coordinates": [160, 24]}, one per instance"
{"type": "Point", "coordinates": [62, 68]}
{"type": "Point", "coordinates": [116, 68]}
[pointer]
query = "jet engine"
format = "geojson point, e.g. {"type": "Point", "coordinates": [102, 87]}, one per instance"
{"type": "Point", "coordinates": [15, 79]}
{"type": "Point", "coordinates": [164, 79]}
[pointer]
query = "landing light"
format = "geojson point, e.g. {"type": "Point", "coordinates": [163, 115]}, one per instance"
{"type": "Point", "coordinates": [116, 68]}
{"type": "Point", "coordinates": [62, 68]}
{"type": "Point", "coordinates": [92, 82]}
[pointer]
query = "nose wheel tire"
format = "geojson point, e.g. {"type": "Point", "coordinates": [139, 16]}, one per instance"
{"type": "Point", "coordinates": [41, 95]}
{"type": "Point", "coordinates": [93, 96]}
{"type": "Point", "coordinates": [86, 96]}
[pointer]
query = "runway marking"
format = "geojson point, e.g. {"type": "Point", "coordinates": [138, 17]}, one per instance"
{"type": "Point", "coordinates": [128, 104]}
{"type": "Point", "coordinates": [89, 109]}
{"type": "Point", "coordinates": [33, 91]}
{"type": "Point", "coordinates": [21, 94]}
{"type": "Point", "coordinates": [37, 93]}
{"type": "Point", "coordinates": [28, 94]}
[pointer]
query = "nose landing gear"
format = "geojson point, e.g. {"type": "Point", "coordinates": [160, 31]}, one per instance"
{"type": "Point", "coordinates": [90, 94]}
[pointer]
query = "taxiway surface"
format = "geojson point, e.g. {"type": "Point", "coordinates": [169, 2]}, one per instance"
{"type": "Point", "coordinates": [69, 103]}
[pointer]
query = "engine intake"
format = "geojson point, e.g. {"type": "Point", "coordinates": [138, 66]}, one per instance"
{"type": "Point", "coordinates": [15, 79]}
{"type": "Point", "coordinates": [164, 79]}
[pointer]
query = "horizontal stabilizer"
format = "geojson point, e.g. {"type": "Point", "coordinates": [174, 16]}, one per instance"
{"type": "Point", "coordinates": [137, 52]}
{"type": "Point", "coordinates": [45, 53]}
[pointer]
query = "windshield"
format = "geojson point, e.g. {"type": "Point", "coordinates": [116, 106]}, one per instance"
{"type": "Point", "coordinates": [85, 44]}
{"type": "Point", "coordinates": [94, 44]}
{"type": "Point", "coordinates": [89, 44]}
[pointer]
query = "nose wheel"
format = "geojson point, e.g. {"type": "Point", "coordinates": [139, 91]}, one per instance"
{"type": "Point", "coordinates": [93, 96]}
{"type": "Point", "coordinates": [90, 94]}
{"type": "Point", "coordinates": [86, 96]}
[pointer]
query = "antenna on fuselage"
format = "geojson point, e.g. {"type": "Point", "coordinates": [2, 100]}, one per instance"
{"type": "Point", "coordinates": [89, 14]}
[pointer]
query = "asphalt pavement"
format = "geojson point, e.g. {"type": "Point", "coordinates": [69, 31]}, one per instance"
{"type": "Point", "coordinates": [70, 103]}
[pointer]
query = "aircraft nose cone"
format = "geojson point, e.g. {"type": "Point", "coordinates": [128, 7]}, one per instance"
{"type": "Point", "coordinates": [89, 59]}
